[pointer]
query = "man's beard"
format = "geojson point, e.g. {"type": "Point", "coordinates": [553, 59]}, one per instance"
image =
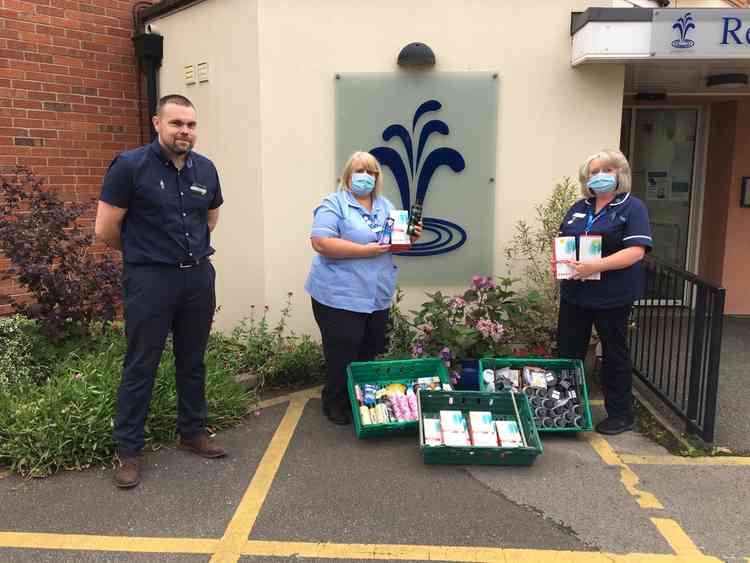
{"type": "Point", "coordinates": [178, 149]}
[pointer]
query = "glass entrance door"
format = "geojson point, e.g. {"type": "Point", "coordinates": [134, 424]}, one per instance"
{"type": "Point", "coordinates": [660, 143]}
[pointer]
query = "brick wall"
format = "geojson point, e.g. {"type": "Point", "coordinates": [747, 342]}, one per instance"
{"type": "Point", "coordinates": [68, 94]}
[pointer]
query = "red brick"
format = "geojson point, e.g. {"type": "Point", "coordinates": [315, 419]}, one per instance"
{"type": "Point", "coordinates": [49, 11]}
{"type": "Point", "coordinates": [37, 57]}
{"type": "Point", "coordinates": [25, 122]}
{"type": "Point", "coordinates": [20, 25]}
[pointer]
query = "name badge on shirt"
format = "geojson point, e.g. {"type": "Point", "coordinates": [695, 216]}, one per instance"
{"type": "Point", "coordinates": [576, 216]}
{"type": "Point", "coordinates": [198, 189]}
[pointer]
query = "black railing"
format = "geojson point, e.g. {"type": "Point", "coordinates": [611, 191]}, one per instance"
{"type": "Point", "coordinates": [675, 343]}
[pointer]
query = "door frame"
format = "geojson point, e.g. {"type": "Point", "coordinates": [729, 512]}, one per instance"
{"type": "Point", "coordinates": [700, 155]}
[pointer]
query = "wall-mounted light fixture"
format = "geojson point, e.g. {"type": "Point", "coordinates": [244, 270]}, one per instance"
{"type": "Point", "coordinates": [416, 55]}
{"type": "Point", "coordinates": [726, 80]}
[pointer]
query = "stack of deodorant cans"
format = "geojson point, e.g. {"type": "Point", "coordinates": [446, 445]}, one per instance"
{"type": "Point", "coordinates": [554, 394]}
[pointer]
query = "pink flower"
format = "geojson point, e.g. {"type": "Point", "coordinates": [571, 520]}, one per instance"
{"type": "Point", "coordinates": [426, 328]}
{"type": "Point", "coordinates": [483, 282]}
{"type": "Point", "coordinates": [491, 330]}
{"type": "Point", "coordinates": [457, 303]}
{"type": "Point", "coordinates": [445, 354]}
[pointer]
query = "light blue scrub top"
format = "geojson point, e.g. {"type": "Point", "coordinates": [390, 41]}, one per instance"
{"type": "Point", "coordinates": [362, 285]}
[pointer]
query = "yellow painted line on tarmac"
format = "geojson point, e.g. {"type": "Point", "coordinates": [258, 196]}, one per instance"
{"type": "Point", "coordinates": [596, 402]}
{"type": "Point", "coordinates": [735, 461]}
{"type": "Point", "coordinates": [395, 552]}
{"type": "Point", "coordinates": [678, 540]}
{"type": "Point", "coordinates": [238, 530]}
{"type": "Point", "coordinates": [84, 542]}
{"type": "Point", "coordinates": [627, 477]}
{"type": "Point", "coordinates": [311, 393]}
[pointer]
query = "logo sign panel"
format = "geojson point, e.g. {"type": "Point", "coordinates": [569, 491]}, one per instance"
{"type": "Point", "coordinates": [434, 135]}
{"type": "Point", "coordinates": [700, 33]}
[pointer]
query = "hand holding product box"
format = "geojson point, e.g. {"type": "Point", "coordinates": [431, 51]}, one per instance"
{"type": "Point", "coordinates": [400, 240]}
{"type": "Point", "coordinates": [564, 251]}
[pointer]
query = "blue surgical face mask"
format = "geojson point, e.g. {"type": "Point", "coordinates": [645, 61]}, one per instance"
{"type": "Point", "coordinates": [602, 183]}
{"type": "Point", "coordinates": [362, 184]}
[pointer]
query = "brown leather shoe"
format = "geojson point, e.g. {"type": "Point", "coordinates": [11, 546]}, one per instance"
{"type": "Point", "coordinates": [128, 475]}
{"type": "Point", "coordinates": [202, 446]}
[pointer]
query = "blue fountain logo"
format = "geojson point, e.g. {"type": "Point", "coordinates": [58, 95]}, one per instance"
{"type": "Point", "coordinates": [447, 236]}
{"type": "Point", "coordinates": [683, 25]}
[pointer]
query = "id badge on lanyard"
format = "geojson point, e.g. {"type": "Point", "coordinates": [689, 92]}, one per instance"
{"type": "Point", "coordinates": [591, 219]}
{"type": "Point", "coordinates": [371, 222]}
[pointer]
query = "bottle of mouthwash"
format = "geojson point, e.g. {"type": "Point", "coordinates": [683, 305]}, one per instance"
{"type": "Point", "coordinates": [415, 216]}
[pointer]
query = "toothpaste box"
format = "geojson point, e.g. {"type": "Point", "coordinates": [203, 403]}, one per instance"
{"type": "Point", "coordinates": [483, 431]}
{"type": "Point", "coordinates": [433, 435]}
{"type": "Point", "coordinates": [590, 248]}
{"type": "Point", "coordinates": [455, 430]}
{"type": "Point", "coordinates": [564, 250]}
{"type": "Point", "coordinates": [400, 241]}
{"type": "Point", "coordinates": [508, 433]}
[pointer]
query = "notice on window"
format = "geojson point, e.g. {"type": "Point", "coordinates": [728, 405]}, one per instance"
{"type": "Point", "coordinates": [657, 185]}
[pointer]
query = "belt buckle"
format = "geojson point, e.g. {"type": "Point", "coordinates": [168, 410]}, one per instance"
{"type": "Point", "coordinates": [187, 264]}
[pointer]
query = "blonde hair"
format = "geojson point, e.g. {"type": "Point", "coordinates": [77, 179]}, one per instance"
{"type": "Point", "coordinates": [607, 157]}
{"type": "Point", "coordinates": [370, 163]}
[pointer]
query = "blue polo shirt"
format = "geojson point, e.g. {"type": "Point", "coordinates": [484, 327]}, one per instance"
{"type": "Point", "coordinates": [167, 209]}
{"type": "Point", "coordinates": [362, 285]}
{"type": "Point", "coordinates": [622, 223]}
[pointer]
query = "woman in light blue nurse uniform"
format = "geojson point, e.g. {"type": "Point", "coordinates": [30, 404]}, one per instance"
{"type": "Point", "coordinates": [353, 277]}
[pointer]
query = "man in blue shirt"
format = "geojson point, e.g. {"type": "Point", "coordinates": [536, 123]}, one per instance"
{"type": "Point", "coordinates": [158, 205]}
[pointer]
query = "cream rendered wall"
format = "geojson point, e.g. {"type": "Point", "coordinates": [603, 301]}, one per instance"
{"type": "Point", "coordinates": [267, 115]}
{"type": "Point", "coordinates": [550, 117]}
{"type": "Point", "coordinates": [224, 34]}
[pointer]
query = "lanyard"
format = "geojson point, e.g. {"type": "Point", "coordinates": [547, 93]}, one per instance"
{"type": "Point", "coordinates": [591, 218]}
{"type": "Point", "coordinates": [371, 220]}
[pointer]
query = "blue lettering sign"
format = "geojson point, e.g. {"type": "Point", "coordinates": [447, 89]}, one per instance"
{"type": "Point", "coordinates": [731, 32]}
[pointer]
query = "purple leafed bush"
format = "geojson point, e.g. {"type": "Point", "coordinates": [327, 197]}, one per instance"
{"type": "Point", "coordinates": [72, 288]}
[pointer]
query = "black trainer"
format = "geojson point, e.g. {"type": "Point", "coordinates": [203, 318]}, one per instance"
{"type": "Point", "coordinates": [337, 415]}
{"type": "Point", "coordinates": [612, 426]}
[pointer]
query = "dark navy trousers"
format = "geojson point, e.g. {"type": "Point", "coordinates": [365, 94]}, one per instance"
{"type": "Point", "coordinates": [159, 299]}
{"type": "Point", "coordinates": [573, 335]}
{"type": "Point", "coordinates": [347, 337]}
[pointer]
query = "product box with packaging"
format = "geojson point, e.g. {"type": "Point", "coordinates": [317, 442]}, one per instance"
{"type": "Point", "coordinates": [400, 240]}
{"type": "Point", "coordinates": [564, 249]}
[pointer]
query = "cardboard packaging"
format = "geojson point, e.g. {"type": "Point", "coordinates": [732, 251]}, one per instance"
{"type": "Point", "coordinates": [564, 250]}
{"type": "Point", "coordinates": [400, 241]}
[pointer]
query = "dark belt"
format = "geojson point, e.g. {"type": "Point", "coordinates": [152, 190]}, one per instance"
{"type": "Point", "coordinates": [191, 263]}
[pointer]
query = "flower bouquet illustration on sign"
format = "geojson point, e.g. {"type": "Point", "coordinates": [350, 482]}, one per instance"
{"type": "Point", "coordinates": [414, 170]}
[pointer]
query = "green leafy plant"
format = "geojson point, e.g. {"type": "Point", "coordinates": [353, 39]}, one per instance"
{"type": "Point", "coordinates": [66, 421]}
{"type": "Point", "coordinates": [277, 357]}
{"type": "Point", "coordinates": [530, 254]}
{"type": "Point", "coordinates": [400, 331]}
{"type": "Point", "coordinates": [19, 338]}
{"type": "Point", "coordinates": [467, 326]}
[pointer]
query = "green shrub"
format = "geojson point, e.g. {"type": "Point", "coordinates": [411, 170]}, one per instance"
{"type": "Point", "coordinates": [530, 255]}
{"type": "Point", "coordinates": [66, 422]}
{"type": "Point", "coordinates": [400, 331]}
{"type": "Point", "coordinates": [19, 340]}
{"type": "Point", "coordinates": [278, 358]}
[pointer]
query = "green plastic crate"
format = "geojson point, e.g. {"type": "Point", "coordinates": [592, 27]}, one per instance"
{"type": "Point", "coordinates": [501, 407]}
{"type": "Point", "coordinates": [393, 371]}
{"type": "Point", "coordinates": [551, 364]}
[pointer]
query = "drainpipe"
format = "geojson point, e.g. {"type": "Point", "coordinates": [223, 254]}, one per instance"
{"type": "Point", "coordinates": [149, 49]}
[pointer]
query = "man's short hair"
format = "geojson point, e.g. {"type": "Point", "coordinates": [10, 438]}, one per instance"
{"type": "Point", "coordinates": [173, 99]}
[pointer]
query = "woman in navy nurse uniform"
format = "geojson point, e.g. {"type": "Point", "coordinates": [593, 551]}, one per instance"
{"type": "Point", "coordinates": [610, 210]}
{"type": "Point", "coordinates": [353, 277]}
